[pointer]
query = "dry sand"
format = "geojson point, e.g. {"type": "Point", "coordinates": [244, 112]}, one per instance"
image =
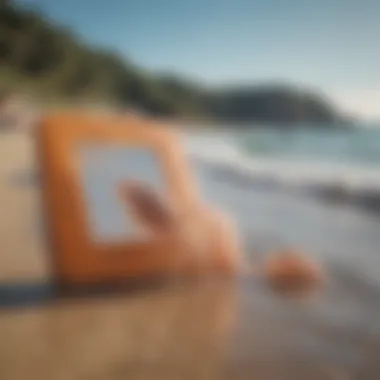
{"type": "Point", "coordinates": [22, 250]}
{"type": "Point", "coordinates": [196, 331]}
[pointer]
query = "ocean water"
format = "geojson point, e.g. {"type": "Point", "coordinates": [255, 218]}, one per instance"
{"type": "Point", "coordinates": [359, 146]}
{"type": "Point", "coordinates": [255, 177]}
{"type": "Point", "coordinates": [349, 156]}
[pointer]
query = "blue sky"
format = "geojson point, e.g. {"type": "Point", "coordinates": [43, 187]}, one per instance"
{"type": "Point", "coordinates": [333, 45]}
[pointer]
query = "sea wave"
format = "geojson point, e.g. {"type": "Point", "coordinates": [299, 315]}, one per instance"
{"type": "Point", "coordinates": [230, 161]}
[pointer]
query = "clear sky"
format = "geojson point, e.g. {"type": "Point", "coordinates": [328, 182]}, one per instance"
{"type": "Point", "coordinates": [331, 44]}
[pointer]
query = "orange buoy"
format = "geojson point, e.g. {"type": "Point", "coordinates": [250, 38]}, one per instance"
{"type": "Point", "coordinates": [291, 270]}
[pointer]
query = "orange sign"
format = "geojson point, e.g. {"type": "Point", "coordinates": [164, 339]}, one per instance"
{"type": "Point", "coordinates": [96, 235]}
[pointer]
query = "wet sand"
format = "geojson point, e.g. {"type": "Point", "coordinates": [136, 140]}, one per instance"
{"type": "Point", "coordinates": [217, 329]}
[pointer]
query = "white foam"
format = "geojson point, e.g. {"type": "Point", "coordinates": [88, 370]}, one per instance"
{"type": "Point", "coordinates": [220, 150]}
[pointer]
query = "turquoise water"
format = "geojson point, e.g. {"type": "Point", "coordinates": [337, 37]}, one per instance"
{"type": "Point", "coordinates": [360, 146]}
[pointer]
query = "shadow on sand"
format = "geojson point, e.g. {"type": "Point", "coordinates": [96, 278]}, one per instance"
{"type": "Point", "coordinates": [31, 294]}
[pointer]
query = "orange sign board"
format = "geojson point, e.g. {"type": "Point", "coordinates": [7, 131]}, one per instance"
{"type": "Point", "coordinates": [94, 237]}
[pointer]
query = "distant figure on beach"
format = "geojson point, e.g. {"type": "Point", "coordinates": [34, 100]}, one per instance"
{"type": "Point", "coordinates": [285, 270]}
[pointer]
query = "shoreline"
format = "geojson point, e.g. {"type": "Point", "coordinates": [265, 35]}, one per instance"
{"type": "Point", "coordinates": [352, 184]}
{"type": "Point", "coordinates": [354, 193]}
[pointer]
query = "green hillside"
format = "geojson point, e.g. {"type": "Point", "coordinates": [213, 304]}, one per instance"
{"type": "Point", "coordinates": [51, 61]}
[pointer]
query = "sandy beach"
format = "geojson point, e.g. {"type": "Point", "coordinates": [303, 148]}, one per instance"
{"type": "Point", "coordinates": [22, 250]}
{"type": "Point", "coordinates": [216, 329]}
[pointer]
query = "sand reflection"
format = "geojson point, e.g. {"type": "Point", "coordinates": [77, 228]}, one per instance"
{"type": "Point", "coordinates": [179, 332]}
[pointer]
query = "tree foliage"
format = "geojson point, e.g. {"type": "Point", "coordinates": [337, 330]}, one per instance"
{"type": "Point", "coordinates": [34, 48]}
